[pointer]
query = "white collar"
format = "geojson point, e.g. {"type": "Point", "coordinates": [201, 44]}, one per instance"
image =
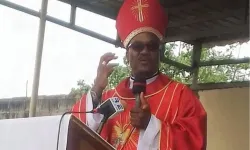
{"type": "Point", "coordinates": [148, 81]}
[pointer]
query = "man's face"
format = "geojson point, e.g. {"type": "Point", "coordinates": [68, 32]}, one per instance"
{"type": "Point", "coordinates": [143, 54]}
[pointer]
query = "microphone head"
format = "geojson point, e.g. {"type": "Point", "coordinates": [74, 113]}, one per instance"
{"type": "Point", "coordinates": [111, 107]}
{"type": "Point", "coordinates": [139, 85]}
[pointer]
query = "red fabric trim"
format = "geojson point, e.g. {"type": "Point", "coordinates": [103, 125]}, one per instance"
{"type": "Point", "coordinates": [160, 82]}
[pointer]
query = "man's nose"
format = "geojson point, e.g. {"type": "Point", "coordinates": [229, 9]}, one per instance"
{"type": "Point", "coordinates": [145, 50]}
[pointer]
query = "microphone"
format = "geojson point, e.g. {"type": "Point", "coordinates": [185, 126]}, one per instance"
{"type": "Point", "coordinates": [139, 85]}
{"type": "Point", "coordinates": [109, 108]}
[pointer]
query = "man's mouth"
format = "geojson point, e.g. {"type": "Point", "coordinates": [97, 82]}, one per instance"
{"type": "Point", "coordinates": [143, 60]}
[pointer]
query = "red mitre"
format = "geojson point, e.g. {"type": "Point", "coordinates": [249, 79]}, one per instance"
{"type": "Point", "coordinates": [137, 16]}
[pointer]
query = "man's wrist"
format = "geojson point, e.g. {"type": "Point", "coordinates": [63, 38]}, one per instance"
{"type": "Point", "coordinates": [96, 94]}
{"type": "Point", "coordinates": [97, 91]}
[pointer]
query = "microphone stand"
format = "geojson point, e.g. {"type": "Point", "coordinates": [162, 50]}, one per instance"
{"type": "Point", "coordinates": [104, 120]}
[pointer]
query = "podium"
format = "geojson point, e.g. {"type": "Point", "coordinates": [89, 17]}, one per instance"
{"type": "Point", "coordinates": [41, 133]}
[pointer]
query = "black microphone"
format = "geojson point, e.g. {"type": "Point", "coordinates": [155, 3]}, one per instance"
{"type": "Point", "coordinates": [139, 85]}
{"type": "Point", "coordinates": [109, 108]}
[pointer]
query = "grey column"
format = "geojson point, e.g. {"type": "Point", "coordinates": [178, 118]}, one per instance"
{"type": "Point", "coordinates": [35, 87]}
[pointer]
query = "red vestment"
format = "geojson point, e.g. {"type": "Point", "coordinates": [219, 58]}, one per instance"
{"type": "Point", "coordinates": [182, 117]}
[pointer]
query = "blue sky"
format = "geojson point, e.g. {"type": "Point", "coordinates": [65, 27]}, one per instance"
{"type": "Point", "coordinates": [67, 56]}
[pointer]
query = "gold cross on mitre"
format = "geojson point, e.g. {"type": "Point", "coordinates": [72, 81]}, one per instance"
{"type": "Point", "coordinates": [140, 5]}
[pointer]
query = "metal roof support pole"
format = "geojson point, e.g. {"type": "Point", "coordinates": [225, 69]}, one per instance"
{"type": "Point", "coordinates": [72, 14]}
{"type": "Point", "coordinates": [197, 48]}
{"type": "Point", "coordinates": [36, 78]}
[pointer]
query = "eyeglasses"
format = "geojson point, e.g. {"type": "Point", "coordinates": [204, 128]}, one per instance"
{"type": "Point", "coordinates": [140, 46]}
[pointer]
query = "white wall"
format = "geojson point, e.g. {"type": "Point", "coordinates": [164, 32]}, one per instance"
{"type": "Point", "coordinates": [228, 118]}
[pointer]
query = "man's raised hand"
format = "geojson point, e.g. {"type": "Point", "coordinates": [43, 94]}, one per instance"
{"type": "Point", "coordinates": [103, 72]}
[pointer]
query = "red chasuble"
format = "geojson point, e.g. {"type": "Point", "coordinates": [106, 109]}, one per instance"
{"type": "Point", "coordinates": [183, 118]}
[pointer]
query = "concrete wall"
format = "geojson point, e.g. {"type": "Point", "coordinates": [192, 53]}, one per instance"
{"type": "Point", "coordinates": [46, 106]}
{"type": "Point", "coordinates": [228, 118]}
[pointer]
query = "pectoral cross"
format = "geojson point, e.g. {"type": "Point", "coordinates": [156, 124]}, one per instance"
{"type": "Point", "coordinates": [140, 8]}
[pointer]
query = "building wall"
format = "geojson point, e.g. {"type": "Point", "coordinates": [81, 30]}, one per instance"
{"type": "Point", "coordinates": [46, 106]}
{"type": "Point", "coordinates": [228, 118]}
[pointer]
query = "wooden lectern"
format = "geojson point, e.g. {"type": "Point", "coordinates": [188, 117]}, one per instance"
{"type": "Point", "coordinates": [81, 137]}
{"type": "Point", "coordinates": [41, 133]}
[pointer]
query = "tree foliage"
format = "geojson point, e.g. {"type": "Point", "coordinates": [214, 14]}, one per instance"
{"type": "Point", "coordinates": [82, 88]}
{"type": "Point", "coordinates": [218, 73]}
{"type": "Point", "coordinates": [120, 72]}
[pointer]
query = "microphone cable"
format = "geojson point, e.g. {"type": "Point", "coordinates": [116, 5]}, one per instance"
{"type": "Point", "coordinates": [59, 128]}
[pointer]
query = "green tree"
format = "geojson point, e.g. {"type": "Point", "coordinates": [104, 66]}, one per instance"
{"type": "Point", "coordinates": [183, 57]}
{"type": "Point", "coordinates": [218, 73]}
{"type": "Point", "coordinates": [120, 72]}
{"type": "Point", "coordinates": [82, 88]}
{"type": "Point", "coordinates": [222, 73]}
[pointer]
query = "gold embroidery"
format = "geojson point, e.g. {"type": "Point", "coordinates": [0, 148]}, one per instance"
{"type": "Point", "coordinates": [79, 109]}
{"type": "Point", "coordinates": [120, 134]}
{"type": "Point", "coordinates": [140, 30]}
{"type": "Point", "coordinates": [129, 142]}
{"type": "Point", "coordinates": [139, 6]}
{"type": "Point", "coordinates": [175, 114]}
{"type": "Point", "coordinates": [114, 94]}
{"type": "Point", "coordinates": [167, 136]}
{"type": "Point", "coordinates": [177, 109]}
{"type": "Point", "coordinates": [146, 96]}
{"type": "Point", "coordinates": [161, 101]}
{"type": "Point", "coordinates": [171, 101]}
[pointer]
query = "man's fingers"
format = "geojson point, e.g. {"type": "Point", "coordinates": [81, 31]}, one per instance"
{"type": "Point", "coordinates": [106, 58]}
{"type": "Point", "coordinates": [144, 103]}
{"type": "Point", "coordinates": [103, 57]}
{"type": "Point", "coordinates": [106, 55]}
{"type": "Point", "coordinates": [136, 114]}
